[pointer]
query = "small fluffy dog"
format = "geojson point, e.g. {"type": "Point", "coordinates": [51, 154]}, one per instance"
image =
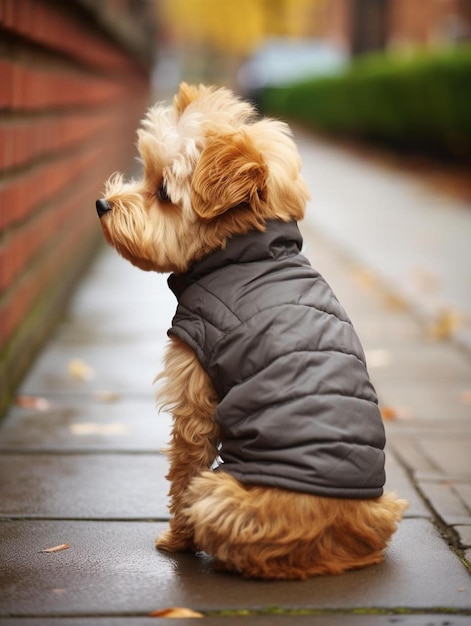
{"type": "Point", "coordinates": [276, 456]}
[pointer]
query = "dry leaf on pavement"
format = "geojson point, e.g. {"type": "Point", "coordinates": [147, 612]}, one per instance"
{"type": "Point", "coordinates": [92, 428]}
{"type": "Point", "coordinates": [63, 546]}
{"type": "Point", "coordinates": [175, 612]}
{"type": "Point", "coordinates": [79, 370]}
{"type": "Point", "coordinates": [365, 279]}
{"type": "Point", "coordinates": [445, 324]}
{"type": "Point", "coordinates": [33, 402]}
{"type": "Point", "coordinates": [388, 413]}
{"type": "Point", "coordinates": [107, 397]}
{"type": "Point", "coordinates": [394, 302]}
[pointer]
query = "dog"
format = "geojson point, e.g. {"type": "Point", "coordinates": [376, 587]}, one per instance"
{"type": "Point", "coordinates": [276, 453]}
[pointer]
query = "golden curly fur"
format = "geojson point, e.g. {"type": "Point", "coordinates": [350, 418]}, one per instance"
{"type": "Point", "coordinates": [213, 170]}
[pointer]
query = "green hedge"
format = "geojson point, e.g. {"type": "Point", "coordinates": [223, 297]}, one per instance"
{"type": "Point", "coordinates": [421, 102]}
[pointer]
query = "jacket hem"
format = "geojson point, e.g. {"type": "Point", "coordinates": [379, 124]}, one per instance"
{"type": "Point", "coordinates": [307, 488]}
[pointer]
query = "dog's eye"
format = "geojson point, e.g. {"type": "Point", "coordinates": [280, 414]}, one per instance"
{"type": "Point", "coordinates": [162, 193]}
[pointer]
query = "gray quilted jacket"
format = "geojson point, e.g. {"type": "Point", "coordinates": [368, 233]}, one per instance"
{"type": "Point", "coordinates": [296, 407]}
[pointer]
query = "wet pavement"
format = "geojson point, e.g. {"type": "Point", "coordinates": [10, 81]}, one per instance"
{"type": "Point", "coordinates": [80, 462]}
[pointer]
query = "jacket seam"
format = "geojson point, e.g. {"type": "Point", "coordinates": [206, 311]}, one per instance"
{"type": "Point", "coordinates": [268, 308]}
{"type": "Point", "coordinates": [281, 356]}
{"type": "Point", "coordinates": [292, 399]}
{"type": "Point", "coordinates": [205, 320]}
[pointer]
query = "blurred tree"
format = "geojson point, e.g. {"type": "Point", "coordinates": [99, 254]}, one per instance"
{"type": "Point", "coordinates": [221, 33]}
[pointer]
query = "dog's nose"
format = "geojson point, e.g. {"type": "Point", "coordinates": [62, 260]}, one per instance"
{"type": "Point", "coordinates": [102, 207]}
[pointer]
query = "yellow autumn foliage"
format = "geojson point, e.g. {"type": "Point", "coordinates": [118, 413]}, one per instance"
{"type": "Point", "coordinates": [237, 27]}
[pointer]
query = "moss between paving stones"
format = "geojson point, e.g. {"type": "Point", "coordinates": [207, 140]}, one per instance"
{"type": "Point", "coordinates": [275, 610]}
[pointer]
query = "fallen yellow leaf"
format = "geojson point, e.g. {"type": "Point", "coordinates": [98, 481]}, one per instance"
{"type": "Point", "coordinates": [394, 301]}
{"type": "Point", "coordinates": [92, 428]}
{"type": "Point", "coordinates": [175, 612]}
{"type": "Point", "coordinates": [107, 396]}
{"type": "Point", "coordinates": [79, 370]}
{"type": "Point", "coordinates": [447, 322]}
{"type": "Point", "coordinates": [365, 279]}
{"type": "Point", "coordinates": [63, 546]}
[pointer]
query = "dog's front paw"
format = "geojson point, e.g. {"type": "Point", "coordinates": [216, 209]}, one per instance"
{"type": "Point", "coordinates": [172, 541]}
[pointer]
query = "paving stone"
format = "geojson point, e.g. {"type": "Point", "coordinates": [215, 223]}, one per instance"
{"type": "Point", "coordinates": [113, 567]}
{"type": "Point", "coordinates": [435, 452]}
{"type": "Point", "coordinates": [397, 480]}
{"type": "Point", "coordinates": [122, 367]}
{"type": "Point", "coordinates": [432, 429]}
{"type": "Point", "coordinates": [424, 400]}
{"type": "Point", "coordinates": [405, 447]}
{"type": "Point", "coordinates": [440, 477]}
{"type": "Point", "coordinates": [82, 424]}
{"type": "Point", "coordinates": [77, 486]}
{"type": "Point", "coordinates": [445, 500]}
{"type": "Point", "coordinates": [464, 491]}
{"type": "Point", "coordinates": [116, 314]}
{"type": "Point", "coordinates": [451, 455]}
{"type": "Point", "coordinates": [418, 360]}
{"type": "Point", "coordinates": [118, 300]}
{"type": "Point", "coordinates": [464, 533]}
{"type": "Point", "coordinates": [380, 330]}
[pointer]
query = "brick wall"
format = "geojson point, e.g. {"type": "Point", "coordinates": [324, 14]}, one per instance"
{"type": "Point", "coordinates": [72, 89]}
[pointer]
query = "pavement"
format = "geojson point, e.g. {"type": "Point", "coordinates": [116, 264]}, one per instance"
{"type": "Point", "coordinates": [80, 465]}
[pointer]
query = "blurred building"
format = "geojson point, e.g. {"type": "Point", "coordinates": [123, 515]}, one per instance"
{"type": "Point", "coordinates": [74, 81]}
{"type": "Point", "coordinates": [361, 26]}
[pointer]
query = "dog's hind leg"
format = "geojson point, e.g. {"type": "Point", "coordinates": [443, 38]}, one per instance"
{"type": "Point", "coordinates": [188, 393]}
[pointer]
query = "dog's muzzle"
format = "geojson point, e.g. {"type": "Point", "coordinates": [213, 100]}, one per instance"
{"type": "Point", "coordinates": [102, 207]}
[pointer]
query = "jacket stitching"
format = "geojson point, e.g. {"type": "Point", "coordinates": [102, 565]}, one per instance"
{"type": "Point", "coordinates": [287, 354]}
{"type": "Point", "coordinates": [289, 400]}
{"type": "Point", "coordinates": [274, 306]}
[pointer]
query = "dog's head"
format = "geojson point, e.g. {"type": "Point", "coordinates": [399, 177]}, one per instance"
{"type": "Point", "coordinates": [212, 170]}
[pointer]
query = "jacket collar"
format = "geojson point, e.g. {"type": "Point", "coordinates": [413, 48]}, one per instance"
{"type": "Point", "coordinates": [279, 240]}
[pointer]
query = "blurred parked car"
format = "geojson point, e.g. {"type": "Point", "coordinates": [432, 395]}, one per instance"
{"type": "Point", "coordinates": [278, 62]}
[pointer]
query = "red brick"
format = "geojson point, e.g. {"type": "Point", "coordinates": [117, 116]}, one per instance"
{"type": "Point", "coordinates": [6, 83]}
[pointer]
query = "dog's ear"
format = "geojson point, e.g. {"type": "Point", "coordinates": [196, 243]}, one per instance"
{"type": "Point", "coordinates": [186, 95]}
{"type": "Point", "coordinates": [230, 172]}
